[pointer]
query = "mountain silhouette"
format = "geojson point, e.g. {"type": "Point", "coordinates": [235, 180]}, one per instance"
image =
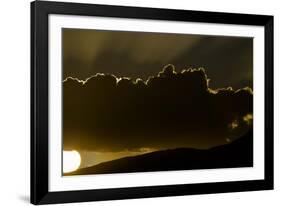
{"type": "Point", "coordinates": [238, 153]}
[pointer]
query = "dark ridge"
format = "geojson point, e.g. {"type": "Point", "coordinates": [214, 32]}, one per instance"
{"type": "Point", "coordinates": [238, 153]}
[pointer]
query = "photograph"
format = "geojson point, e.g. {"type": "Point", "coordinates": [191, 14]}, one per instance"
{"type": "Point", "coordinates": [135, 101]}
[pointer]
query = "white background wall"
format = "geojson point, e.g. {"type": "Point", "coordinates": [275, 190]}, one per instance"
{"type": "Point", "coordinates": [14, 102]}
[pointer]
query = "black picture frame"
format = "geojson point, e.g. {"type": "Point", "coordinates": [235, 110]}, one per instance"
{"type": "Point", "coordinates": [39, 102]}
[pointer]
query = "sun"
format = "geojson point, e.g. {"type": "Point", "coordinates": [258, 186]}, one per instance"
{"type": "Point", "coordinates": [71, 161]}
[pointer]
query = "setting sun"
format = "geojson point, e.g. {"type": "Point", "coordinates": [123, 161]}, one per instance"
{"type": "Point", "coordinates": [71, 161]}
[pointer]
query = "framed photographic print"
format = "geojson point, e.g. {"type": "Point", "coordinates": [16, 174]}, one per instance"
{"type": "Point", "coordinates": [131, 102]}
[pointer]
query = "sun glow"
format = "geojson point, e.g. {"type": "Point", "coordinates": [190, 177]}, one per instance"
{"type": "Point", "coordinates": [71, 161]}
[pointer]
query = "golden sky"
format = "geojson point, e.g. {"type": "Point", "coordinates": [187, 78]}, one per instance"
{"type": "Point", "coordinates": [228, 60]}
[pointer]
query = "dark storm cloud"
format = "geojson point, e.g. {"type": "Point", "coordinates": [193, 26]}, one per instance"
{"type": "Point", "coordinates": [169, 110]}
{"type": "Point", "coordinates": [141, 54]}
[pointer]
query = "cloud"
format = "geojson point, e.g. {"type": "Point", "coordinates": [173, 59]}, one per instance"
{"type": "Point", "coordinates": [169, 110]}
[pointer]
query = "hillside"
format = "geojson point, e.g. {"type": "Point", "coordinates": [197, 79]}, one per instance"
{"type": "Point", "coordinates": [238, 153]}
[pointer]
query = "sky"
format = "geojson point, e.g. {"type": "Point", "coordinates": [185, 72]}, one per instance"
{"type": "Point", "coordinates": [227, 60]}
{"type": "Point", "coordinates": [128, 93]}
